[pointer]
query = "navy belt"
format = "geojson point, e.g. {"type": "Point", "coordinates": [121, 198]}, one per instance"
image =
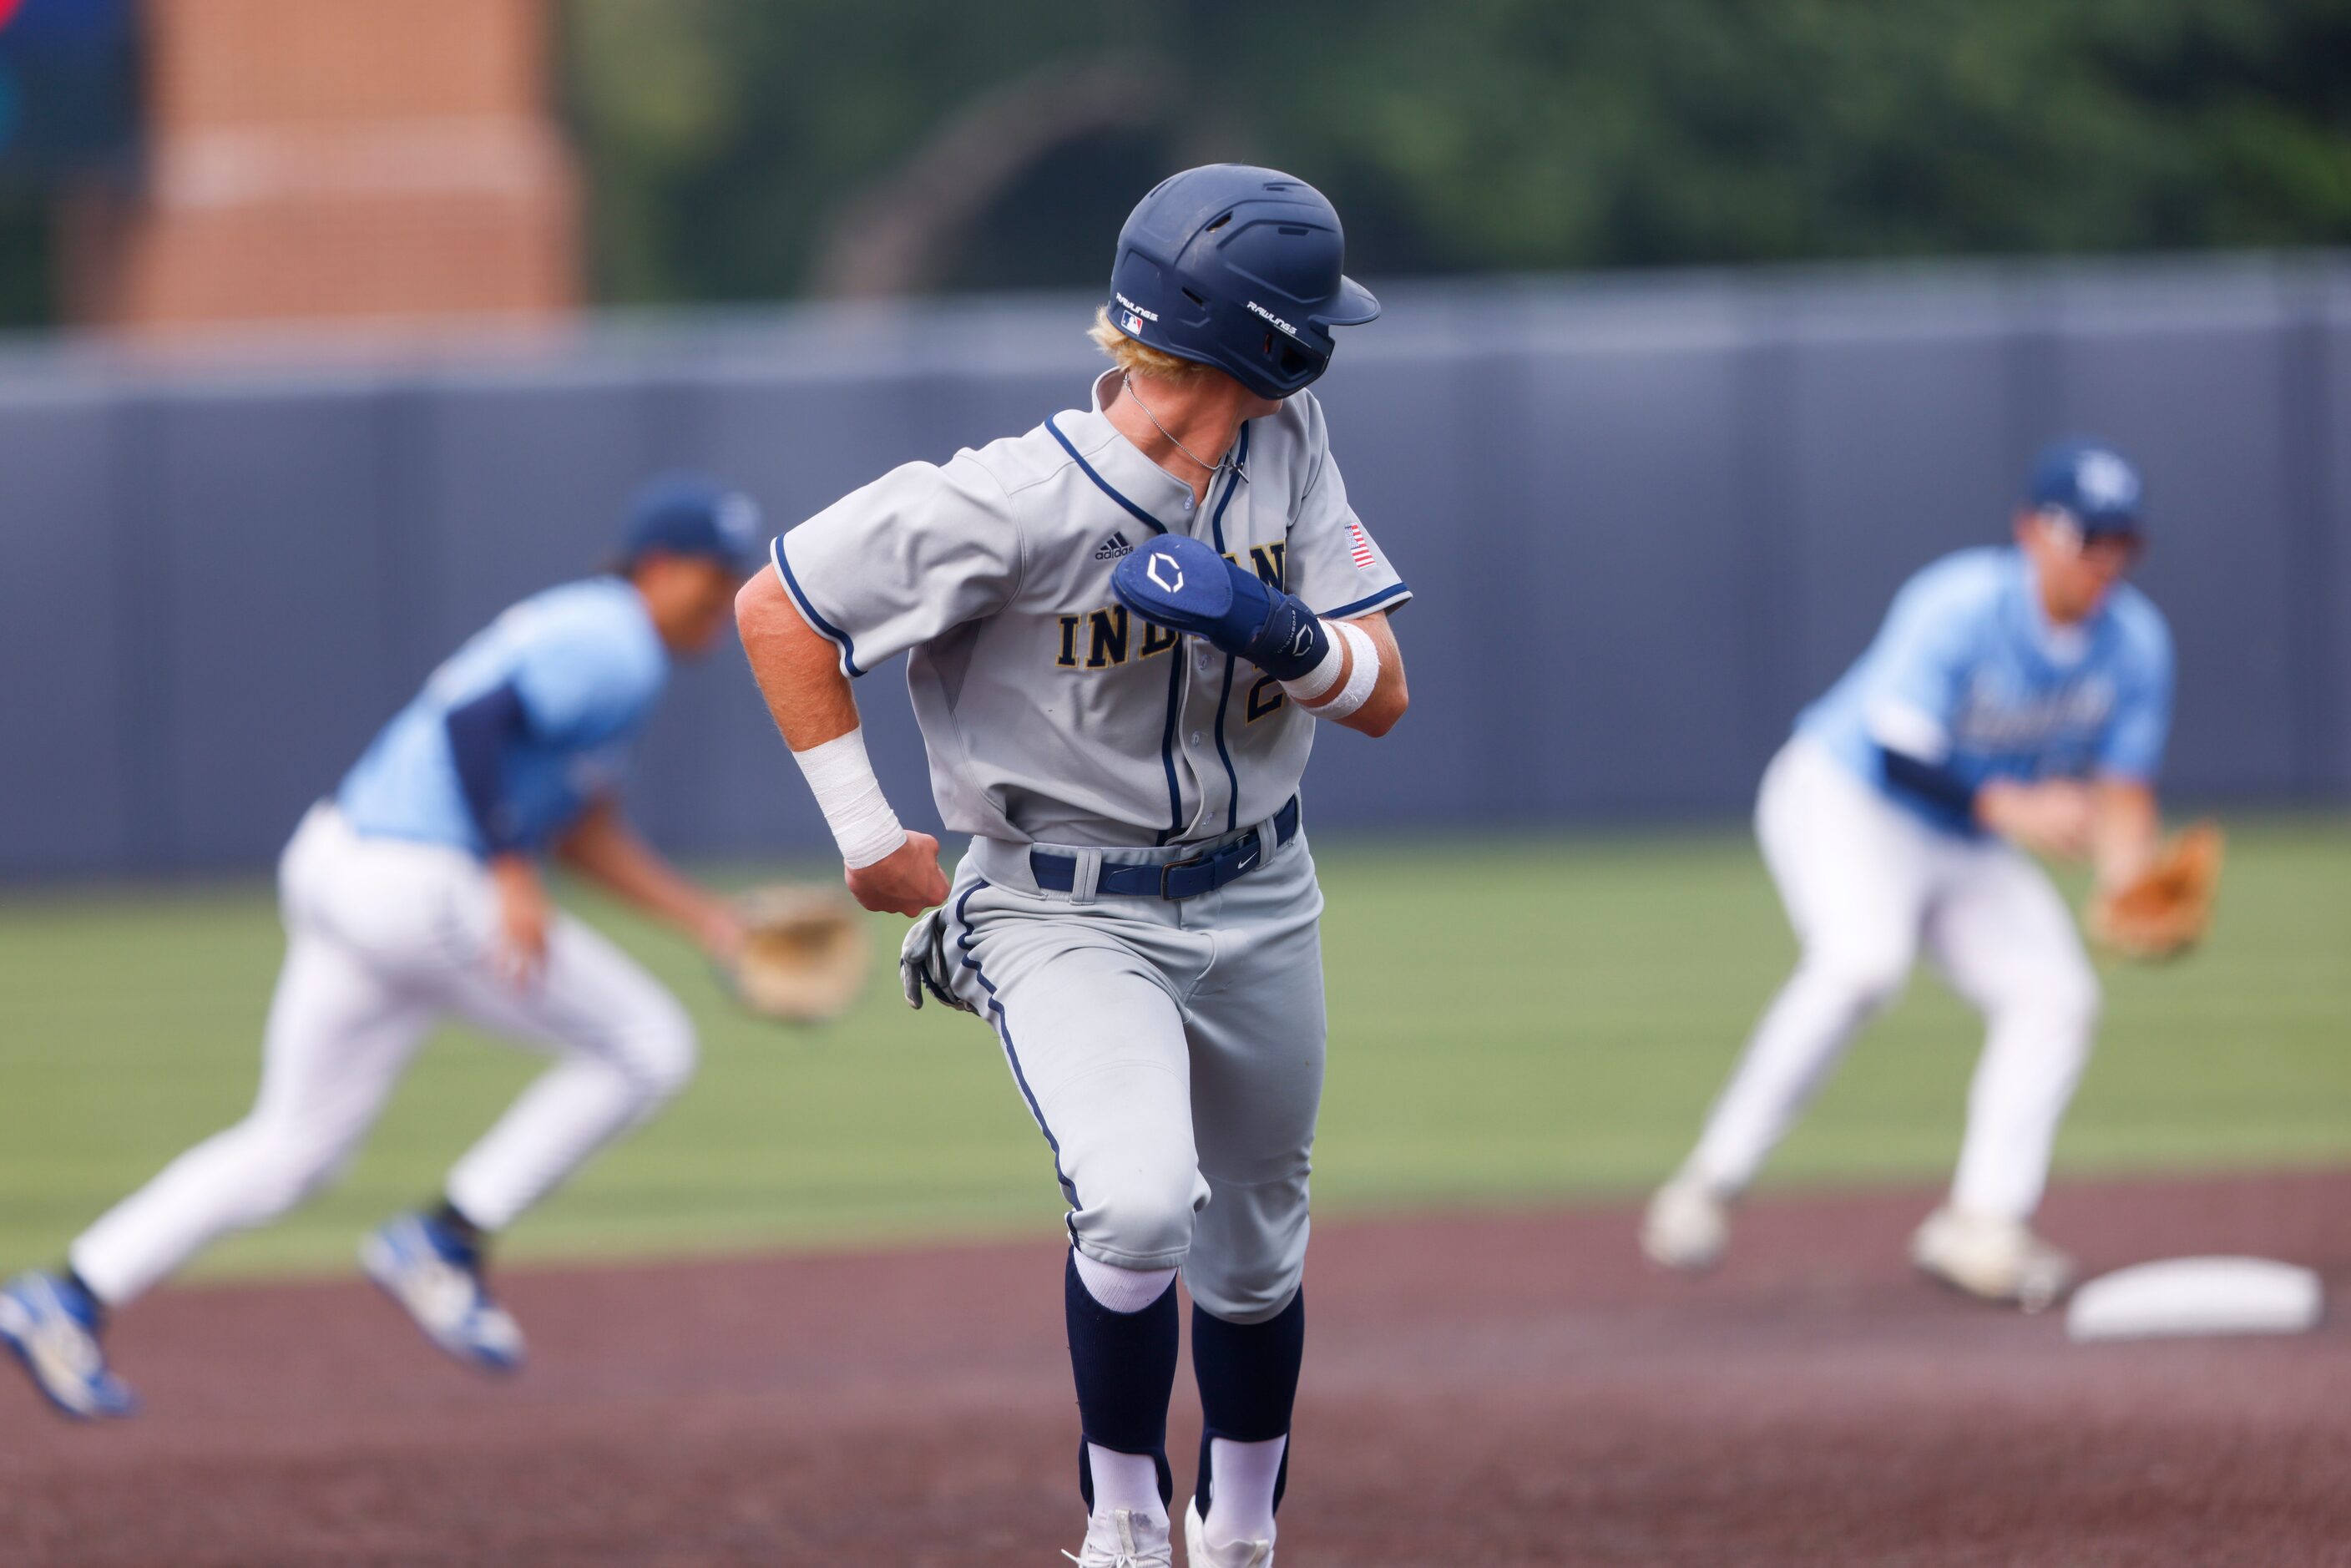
{"type": "Point", "coordinates": [1176, 879]}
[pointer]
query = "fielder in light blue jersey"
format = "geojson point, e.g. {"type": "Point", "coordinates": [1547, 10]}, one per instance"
{"type": "Point", "coordinates": [412, 894]}
{"type": "Point", "coordinates": [1970, 674]}
{"type": "Point", "coordinates": [584, 666]}
{"type": "Point", "coordinates": [2016, 699]}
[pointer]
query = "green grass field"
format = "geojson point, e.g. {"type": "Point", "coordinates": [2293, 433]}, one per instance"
{"type": "Point", "coordinates": [1511, 1022]}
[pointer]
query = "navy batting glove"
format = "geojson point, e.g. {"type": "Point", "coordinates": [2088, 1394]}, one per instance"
{"type": "Point", "coordinates": [1182, 584]}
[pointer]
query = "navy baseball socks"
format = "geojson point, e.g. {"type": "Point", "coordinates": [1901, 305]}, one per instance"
{"type": "Point", "coordinates": [1247, 1375]}
{"type": "Point", "coordinates": [1124, 1353]}
{"type": "Point", "coordinates": [1123, 1348]}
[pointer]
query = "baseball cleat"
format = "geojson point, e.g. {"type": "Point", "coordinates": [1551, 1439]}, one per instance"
{"type": "Point", "coordinates": [1198, 1553]}
{"type": "Point", "coordinates": [437, 1281]}
{"type": "Point", "coordinates": [1124, 1539]}
{"type": "Point", "coordinates": [1989, 1258]}
{"type": "Point", "coordinates": [52, 1325]}
{"type": "Point", "coordinates": [1687, 1226]}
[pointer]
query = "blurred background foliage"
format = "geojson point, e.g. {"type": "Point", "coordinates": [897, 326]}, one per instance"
{"type": "Point", "coordinates": [750, 150]}
{"type": "Point", "coordinates": [729, 140]}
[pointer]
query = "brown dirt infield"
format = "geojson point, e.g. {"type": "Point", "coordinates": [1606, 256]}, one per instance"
{"type": "Point", "coordinates": [1491, 1390]}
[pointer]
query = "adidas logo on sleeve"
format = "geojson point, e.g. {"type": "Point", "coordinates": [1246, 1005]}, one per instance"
{"type": "Point", "coordinates": [1113, 547]}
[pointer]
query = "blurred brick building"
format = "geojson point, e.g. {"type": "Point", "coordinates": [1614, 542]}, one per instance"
{"type": "Point", "coordinates": [315, 161]}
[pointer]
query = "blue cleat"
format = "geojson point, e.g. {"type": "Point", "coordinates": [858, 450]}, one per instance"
{"type": "Point", "coordinates": [52, 1325]}
{"type": "Point", "coordinates": [437, 1280]}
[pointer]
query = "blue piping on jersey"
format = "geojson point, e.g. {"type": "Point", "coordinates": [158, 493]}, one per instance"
{"type": "Point", "coordinates": [1240, 461]}
{"type": "Point", "coordinates": [1012, 1055]}
{"type": "Point", "coordinates": [830, 633]}
{"type": "Point", "coordinates": [1233, 800]}
{"type": "Point", "coordinates": [1168, 744]}
{"type": "Point", "coordinates": [1225, 698]}
{"type": "Point", "coordinates": [1175, 665]}
{"type": "Point", "coordinates": [1345, 612]}
{"type": "Point", "coordinates": [1088, 470]}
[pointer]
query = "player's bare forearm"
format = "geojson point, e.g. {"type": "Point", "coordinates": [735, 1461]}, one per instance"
{"type": "Point", "coordinates": [2052, 817]}
{"type": "Point", "coordinates": [798, 671]}
{"type": "Point", "coordinates": [1389, 697]}
{"type": "Point", "coordinates": [2123, 832]}
{"type": "Point", "coordinates": [603, 848]}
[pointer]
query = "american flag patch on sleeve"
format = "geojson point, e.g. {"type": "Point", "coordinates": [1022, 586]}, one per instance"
{"type": "Point", "coordinates": [1363, 544]}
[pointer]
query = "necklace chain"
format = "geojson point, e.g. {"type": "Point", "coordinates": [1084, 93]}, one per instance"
{"type": "Point", "coordinates": [1126, 384]}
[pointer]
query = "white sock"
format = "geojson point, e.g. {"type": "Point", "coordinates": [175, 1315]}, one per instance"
{"type": "Point", "coordinates": [1121, 1289]}
{"type": "Point", "coordinates": [1240, 1504]}
{"type": "Point", "coordinates": [1125, 1482]}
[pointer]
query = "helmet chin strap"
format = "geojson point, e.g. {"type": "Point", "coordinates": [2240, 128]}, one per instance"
{"type": "Point", "coordinates": [1126, 385]}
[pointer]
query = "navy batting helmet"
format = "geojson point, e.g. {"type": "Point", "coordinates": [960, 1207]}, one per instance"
{"type": "Point", "coordinates": [2091, 483]}
{"type": "Point", "coordinates": [1237, 268]}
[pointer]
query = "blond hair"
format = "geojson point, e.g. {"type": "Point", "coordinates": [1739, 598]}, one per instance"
{"type": "Point", "coordinates": [1138, 359]}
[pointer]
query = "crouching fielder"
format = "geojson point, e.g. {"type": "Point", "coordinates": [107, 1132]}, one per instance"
{"type": "Point", "coordinates": [2016, 699]}
{"type": "Point", "coordinates": [412, 896]}
{"type": "Point", "coordinates": [1124, 626]}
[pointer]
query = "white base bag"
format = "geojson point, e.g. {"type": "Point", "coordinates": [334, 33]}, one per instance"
{"type": "Point", "coordinates": [2182, 1297]}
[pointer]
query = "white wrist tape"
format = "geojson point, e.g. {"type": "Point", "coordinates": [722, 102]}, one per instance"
{"type": "Point", "coordinates": [1361, 678]}
{"type": "Point", "coordinates": [1315, 682]}
{"type": "Point", "coordinates": [850, 798]}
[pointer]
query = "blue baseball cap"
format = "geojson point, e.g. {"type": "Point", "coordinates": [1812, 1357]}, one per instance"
{"type": "Point", "coordinates": [2091, 483]}
{"type": "Point", "coordinates": [688, 514]}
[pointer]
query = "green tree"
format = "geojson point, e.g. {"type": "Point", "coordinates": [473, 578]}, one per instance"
{"type": "Point", "coordinates": [726, 139]}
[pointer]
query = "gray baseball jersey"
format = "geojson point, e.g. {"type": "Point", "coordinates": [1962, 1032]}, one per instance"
{"type": "Point", "coordinates": [1049, 713]}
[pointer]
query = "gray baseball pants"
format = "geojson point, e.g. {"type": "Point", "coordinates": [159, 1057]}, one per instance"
{"type": "Point", "coordinates": [1170, 1052]}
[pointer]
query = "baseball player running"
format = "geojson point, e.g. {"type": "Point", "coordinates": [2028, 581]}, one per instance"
{"type": "Point", "coordinates": [1123, 628]}
{"type": "Point", "coordinates": [413, 895]}
{"type": "Point", "coordinates": [2016, 699]}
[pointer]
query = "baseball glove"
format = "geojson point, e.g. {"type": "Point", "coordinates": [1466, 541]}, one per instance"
{"type": "Point", "coordinates": [806, 958]}
{"type": "Point", "coordinates": [2168, 910]}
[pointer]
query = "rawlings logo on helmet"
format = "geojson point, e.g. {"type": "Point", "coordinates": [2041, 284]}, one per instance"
{"type": "Point", "coordinates": [1270, 315]}
{"type": "Point", "coordinates": [1203, 241]}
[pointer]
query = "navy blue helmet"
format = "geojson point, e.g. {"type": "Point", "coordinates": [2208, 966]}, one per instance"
{"type": "Point", "coordinates": [2091, 483]}
{"type": "Point", "coordinates": [1237, 268]}
{"type": "Point", "coordinates": [689, 514]}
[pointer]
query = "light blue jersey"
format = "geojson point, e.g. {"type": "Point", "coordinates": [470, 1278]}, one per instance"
{"type": "Point", "coordinates": [1970, 674]}
{"type": "Point", "coordinates": [588, 666]}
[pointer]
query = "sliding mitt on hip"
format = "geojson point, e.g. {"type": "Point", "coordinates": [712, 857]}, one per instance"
{"type": "Point", "coordinates": [805, 958]}
{"type": "Point", "coordinates": [2168, 909]}
{"type": "Point", "coordinates": [1185, 586]}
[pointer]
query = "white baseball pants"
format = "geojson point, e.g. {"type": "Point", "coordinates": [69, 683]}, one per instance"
{"type": "Point", "coordinates": [1867, 884]}
{"type": "Point", "coordinates": [385, 938]}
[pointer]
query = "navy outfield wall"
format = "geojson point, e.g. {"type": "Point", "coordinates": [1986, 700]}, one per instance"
{"type": "Point", "coordinates": [1645, 519]}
